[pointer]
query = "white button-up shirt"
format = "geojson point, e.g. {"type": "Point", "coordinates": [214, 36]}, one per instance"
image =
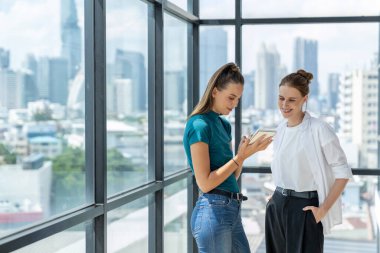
{"type": "Point", "coordinates": [326, 158]}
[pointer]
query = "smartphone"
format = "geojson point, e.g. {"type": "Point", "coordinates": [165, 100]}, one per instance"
{"type": "Point", "coordinates": [261, 132]}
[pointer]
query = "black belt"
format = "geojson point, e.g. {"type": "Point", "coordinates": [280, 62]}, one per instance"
{"type": "Point", "coordinates": [292, 193]}
{"type": "Point", "coordinates": [233, 195]}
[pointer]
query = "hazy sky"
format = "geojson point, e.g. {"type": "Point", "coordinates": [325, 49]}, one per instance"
{"type": "Point", "coordinates": [29, 28]}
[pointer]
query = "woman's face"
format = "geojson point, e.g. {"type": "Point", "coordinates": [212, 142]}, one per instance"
{"type": "Point", "coordinates": [226, 100]}
{"type": "Point", "coordinates": [290, 102]}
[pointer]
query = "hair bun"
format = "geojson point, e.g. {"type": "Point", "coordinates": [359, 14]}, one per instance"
{"type": "Point", "coordinates": [307, 75]}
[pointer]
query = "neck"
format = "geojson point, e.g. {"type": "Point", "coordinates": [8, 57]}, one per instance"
{"type": "Point", "coordinates": [296, 120]}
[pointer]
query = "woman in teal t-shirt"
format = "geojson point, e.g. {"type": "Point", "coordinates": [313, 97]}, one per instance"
{"type": "Point", "coordinates": [216, 222]}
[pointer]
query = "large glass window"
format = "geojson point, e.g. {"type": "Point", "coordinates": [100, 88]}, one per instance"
{"type": "Point", "coordinates": [127, 227]}
{"type": "Point", "coordinates": [127, 117]}
{"type": "Point", "coordinates": [42, 141]}
{"type": "Point", "coordinates": [175, 92]}
{"type": "Point", "coordinates": [314, 8]}
{"type": "Point", "coordinates": [175, 217]}
{"type": "Point", "coordinates": [343, 60]}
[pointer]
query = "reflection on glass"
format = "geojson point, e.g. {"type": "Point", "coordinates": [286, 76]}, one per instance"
{"type": "Point", "coordinates": [175, 92]}
{"type": "Point", "coordinates": [127, 227]}
{"type": "Point", "coordinates": [343, 60]}
{"type": "Point", "coordinates": [314, 8]}
{"type": "Point", "coordinates": [216, 9]}
{"type": "Point", "coordinates": [357, 231]}
{"type": "Point", "coordinates": [175, 217]}
{"type": "Point", "coordinates": [42, 140]}
{"type": "Point", "coordinates": [70, 240]}
{"type": "Point", "coordinates": [127, 118]}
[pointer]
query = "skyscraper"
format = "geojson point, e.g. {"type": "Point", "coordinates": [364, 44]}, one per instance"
{"type": "Point", "coordinates": [333, 90]}
{"type": "Point", "coordinates": [249, 90]}
{"type": "Point", "coordinates": [358, 103]}
{"type": "Point", "coordinates": [52, 79]}
{"type": "Point", "coordinates": [4, 58]}
{"type": "Point", "coordinates": [131, 65]}
{"type": "Point", "coordinates": [306, 57]}
{"type": "Point", "coordinates": [70, 37]}
{"type": "Point", "coordinates": [213, 54]}
{"type": "Point", "coordinates": [269, 73]}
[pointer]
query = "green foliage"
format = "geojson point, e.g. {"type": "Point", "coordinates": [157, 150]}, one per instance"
{"type": "Point", "coordinates": [8, 157]}
{"type": "Point", "coordinates": [43, 115]}
{"type": "Point", "coordinates": [72, 159]}
{"type": "Point", "coordinates": [117, 162]}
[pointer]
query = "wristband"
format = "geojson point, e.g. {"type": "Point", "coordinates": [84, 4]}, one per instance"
{"type": "Point", "coordinates": [235, 162]}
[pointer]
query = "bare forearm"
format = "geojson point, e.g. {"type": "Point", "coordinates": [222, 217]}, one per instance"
{"type": "Point", "coordinates": [218, 176]}
{"type": "Point", "coordinates": [335, 192]}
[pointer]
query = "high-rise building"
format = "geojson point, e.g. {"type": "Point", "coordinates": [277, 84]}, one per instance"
{"type": "Point", "coordinates": [123, 91]}
{"type": "Point", "coordinates": [8, 86]}
{"type": "Point", "coordinates": [4, 58]}
{"type": "Point", "coordinates": [71, 48]}
{"type": "Point", "coordinates": [52, 80]}
{"type": "Point", "coordinates": [249, 90]}
{"type": "Point", "coordinates": [333, 90]}
{"type": "Point", "coordinates": [306, 57]}
{"type": "Point", "coordinates": [131, 65]}
{"type": "Point", "coordinates": [213, 54]}
{"type": "Point", "coordinates": [357, 108]}
{"type": "Point", "coordinates": [269, 73]}
{"type": "Point", "coordinates": [174, 96]}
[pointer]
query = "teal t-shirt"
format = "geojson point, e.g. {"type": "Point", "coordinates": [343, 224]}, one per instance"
{"type": "Point", "coordinates": [214, 130]}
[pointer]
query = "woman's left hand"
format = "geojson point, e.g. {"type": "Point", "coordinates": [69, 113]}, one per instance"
{"type": "Point", "coordinates": [318, 212]}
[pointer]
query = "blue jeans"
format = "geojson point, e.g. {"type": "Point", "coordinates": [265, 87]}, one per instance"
{"type": "Point", "coordinates": [216, 225]}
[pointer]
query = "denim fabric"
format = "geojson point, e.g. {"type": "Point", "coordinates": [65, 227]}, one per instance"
{"type": "Point", "coordinates": [216, 225]}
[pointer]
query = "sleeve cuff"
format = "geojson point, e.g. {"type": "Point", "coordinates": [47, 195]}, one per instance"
{"type": "Point", "coordinates": [342, 171]}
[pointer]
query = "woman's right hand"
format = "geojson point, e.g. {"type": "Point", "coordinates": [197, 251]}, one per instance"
{"type": "Point", "coordinates": [246, 150]}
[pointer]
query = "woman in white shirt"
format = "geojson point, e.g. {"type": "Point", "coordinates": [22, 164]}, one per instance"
{"type": "Point", "coordinates": [310, 171]}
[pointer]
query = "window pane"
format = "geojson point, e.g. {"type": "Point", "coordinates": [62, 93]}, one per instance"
{"type": "Point", "coordinates": [314, 8]}
{"type": "Point", "coordinates": [70, 240]}
{"type": "Point", "coordinates": [127, 229]}
{"type": "Point", "coordinates": [175, 217]}
{"type": "Point", "coordinates": [41, 110]}
{"type": "Point", "coordinates": [343, 60]}
{"type": "Point", "coordinates": [175, 92]}
{"type": "Point", "coordinates": [127, 117]}
{"type": "Point", "coordinates": [216, 9]}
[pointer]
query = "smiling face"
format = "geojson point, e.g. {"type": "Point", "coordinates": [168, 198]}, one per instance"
{"type": "Point", "coordinates": [290, 102]}
{"type": "Point", "coordinates": [224, 101]}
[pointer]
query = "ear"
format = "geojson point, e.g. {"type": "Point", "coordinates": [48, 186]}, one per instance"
{"type": "Point", "coordinates": [306, 98]}
{"type": "Point", "coordinates": [214, 92]}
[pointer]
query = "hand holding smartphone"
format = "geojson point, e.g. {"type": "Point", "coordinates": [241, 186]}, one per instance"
{"type": "Point", "coordinates": [260, 132]}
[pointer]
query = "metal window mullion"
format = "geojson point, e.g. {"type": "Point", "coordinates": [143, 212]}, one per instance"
{"type": "Point", "coordinates": [89, 38]}
{"type": "Point", "coordinates": [156, 121]}
{"type": "Point", "coordinates": [238, 61]}
{"type": "Point", "coordinates": [192, 99]}
{"type": "Point", "coordinates": [378, 129]}
{"type": "Point", "coordinates": [96, 141]}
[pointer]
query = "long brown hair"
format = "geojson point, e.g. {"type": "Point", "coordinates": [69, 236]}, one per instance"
{"type": "Point", "coordinates": [226, 74]}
